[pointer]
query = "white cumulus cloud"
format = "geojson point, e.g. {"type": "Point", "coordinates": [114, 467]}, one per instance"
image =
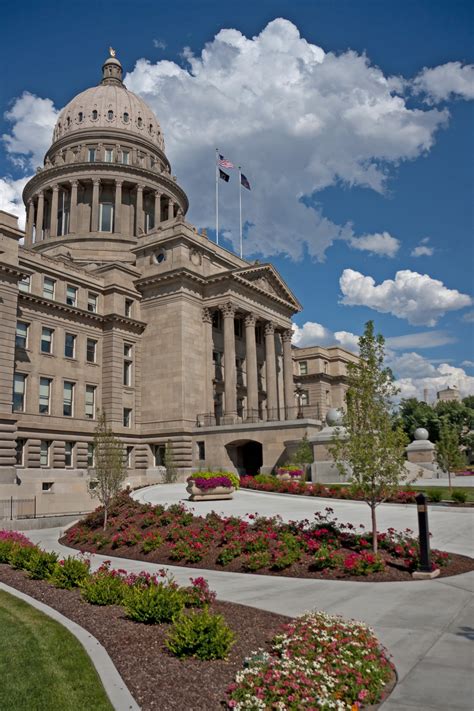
{"type": "Point", "coordinates": [382, 244]}
{"type": "Point", "coordinates": [10, 198]}
{"type": "Point", "coordinates": [446, 81]}
{"type": "Point", "coordinates": [33, 120]}
{"type": "Point", "coordinates": [422, 339]}
{"type": "Point", "coordinates": [412, 296]}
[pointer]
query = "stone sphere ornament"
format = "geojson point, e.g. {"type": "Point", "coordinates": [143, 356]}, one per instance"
{"type": "Point", "coordinates": [421, 433]}
{"type": "Point", "coordinates": [334, 417]}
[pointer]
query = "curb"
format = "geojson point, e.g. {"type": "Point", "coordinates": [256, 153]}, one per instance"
{"type": "Point", "coordinates": [115, 688]}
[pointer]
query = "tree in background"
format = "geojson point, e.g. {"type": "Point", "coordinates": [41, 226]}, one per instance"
{"type": "Point", "coordinates": [448, 454]}
{"type": "Point", "coordinates": [169, 464]}
{"type": "Point", "coordinates": [109, 465]}
{"type": "Point", "coordinates": [303, 453]}
{"type": "Point", "coordinates": [415, 413]}
{"type": "Point", "coordinates": [374, 443]}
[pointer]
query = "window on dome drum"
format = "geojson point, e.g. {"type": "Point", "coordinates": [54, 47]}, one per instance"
{"type": "Point", "coordinates": [90, 401]}
{"type": "Point", "coordinates": [20, 452]}
{"type": "Point", "coordinates": [92, 302]}
{"type": "Point", "coordinates": [109, 155]}
{"type": "Point", "coordinates": [90, 454]}
{"type": "Point", "coordinates": [126, 117]}
{"type": "Point", "coordinates": [150, 128]}
{"type": "Point", "coordinates": [48, 288]}
{"type": "Point", "coordinates": [149, 221]}
{"type": "Point", "coordinates": [128, 307]}
{"type": "Point", "coordinates": [303, 367]}
{"type": "Point", "coordinates": [91, 350]}
{"type": "Point", "coordinates": [24, 284]}
{"type": "Point", "coordinates": [80, 117]}
{"type": "Point", "coordinates": [140, 121]}
{"type": "Point", "coordinates": [129, 457]}
{"type": "Point", "coordinates": [95, 115]}
{"type": "Point", "coordinates": [106, 217]}
{"type": "Point", "coordinates": [44, 395]}
{"type": "Point", "coordinates": [127, 417]}
{"type": "Point", "coordinates": [19, 388]}
{"type": "Point", "coordinates": [68, 454]}
{"type": "Point", "coordinates": [68, 120]}
{"type": "Point", "coordinates": [21, 337]}
{"type": "Point", "coordinates": [125, 157]}
{"type": "Point", "coordinates": [110, 115]}
{"type": "Point", "coordinates": [69, 345]}
{"type": "Point", "coordinates": [63, 213]}
{"type": "Point", "coordinates": [91, 155]}
{"type": "Point", "coordinates": [47, 340]}
{"type": "Point", "coordinates": [44, 458]}
{"type": "Point", "coordinates": [71, 295]}
{"type": "Point", "coordinates": [68, 399]}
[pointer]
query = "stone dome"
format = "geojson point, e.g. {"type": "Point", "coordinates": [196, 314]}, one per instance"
{"type": "Point", "coordinates": [109, 106]}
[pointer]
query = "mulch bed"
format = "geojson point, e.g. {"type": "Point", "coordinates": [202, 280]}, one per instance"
{"type": "Point", "coordinates": [156, 679]}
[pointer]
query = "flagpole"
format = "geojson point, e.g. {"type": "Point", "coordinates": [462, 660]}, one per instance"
{"type": "Point", "coordinates": [240, 212]}
{"type": "Point", "coordinates": [217, 197]}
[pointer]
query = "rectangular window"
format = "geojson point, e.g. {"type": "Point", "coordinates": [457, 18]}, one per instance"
{"type": "Point", "coordinates": [91, 155]}
{"type": "Point", "coordinates": [21, 336]}
{"type": "Point", "coordinates": [63, 213]}
{"type": "Point", "coordinates": [20, 452]}
{"type": "Point", "coordinates": [304, 398]}
{"type": "Point", "coordinates": [109, 155]}
{"type": "Point", "coordinates": [90, 454]}
{"type": "Point", "coordinates": [127, 417]}
{"type": "Point", "coordinates": [201, 447]}
{"type": "Point", "coordinates": [44, 453]}
{"type": "Point", "coordinates": [217, 320]}
{"type": "Point", "coordinates": [106, 217]}
{"type": "Point", "coordinates": [303, 367]}
{"type": "Point", "coordinates": [69, 454]}
{"type": "Point", "coordinates": [91, 350]}
{"type": "Point", "coordinates": [125, 157]}
{"type": "Point", "coordinates": [48, 288]}
{"type": "Point", "coordinates": [92, 302]}
{"type": "Point", "coordinates": [44, 395]}
{"type": "Point", "coordinates": [24, 284]}
{"type": "Point", "coordinates": [46, 340]}
{"type": "Point", "coordinates": [129, 457]}
{"type": "Point", "coordinates": [159, 451]}
{"type": "Point", "coordinates": [19, 387]}
{"type": "Point", "coordinates": [47, 485]}
{"type": "Point", "coordinates": [68, 399]}
{"type": "Point", "coordinates": [90, 401]}
{"type": "Point", "coordinates": [69, 345]}
{"type": "Point", "coordinates": [238, 327]}
{"type": "Point", "coordinates": [127, 364]}
{"type": "Point", "coordinates": [128, 307]}
{"type": "Point", "coordinates": [258, 335]}
{"type": "Point", "coordinates": [326, 366]}
{"type": "Point", "coordinates": [71, 296]}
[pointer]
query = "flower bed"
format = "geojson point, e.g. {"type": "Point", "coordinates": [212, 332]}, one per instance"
{"type": "Point", "coordinates": [290, 472]}
{"type": "Point", "coordinates": [322, 548]}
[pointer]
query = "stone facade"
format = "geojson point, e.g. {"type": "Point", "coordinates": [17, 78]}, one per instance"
{"type": "Point", "coordinates": [115, 302]}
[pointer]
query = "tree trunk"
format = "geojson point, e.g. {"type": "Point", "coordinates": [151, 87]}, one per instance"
{"type": "Point", "coordinates": [105, 517]}
{"type": "Point", "coordinates": [449, 479]}
{"type": "Point", "coordinates": [374, 529]}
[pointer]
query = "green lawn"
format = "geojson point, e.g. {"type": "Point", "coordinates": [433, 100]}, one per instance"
{"type": "Point", "coordinates": [43, 667]}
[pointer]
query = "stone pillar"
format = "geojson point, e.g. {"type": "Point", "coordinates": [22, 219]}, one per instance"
{"type": "Point", "coordinates": [73, 216]}
{"type": "Point", "coordinates": [157, 208]}
{"type": "Point", "coordinates": [209, 389]}
{"type": "Point", "coordinates": [118, 206]}
{"type": "Point", "coordinates": [288, 382]}
{"type": "Point", "coordinates": [251, 363]}
{"type": "Point", "coordinates": [230, 383]}
{"type": "Point", "coordinates": [270, 372]}
{"type": "Point", "coordinates": [40, 216]}
{"type": "Point", "coordinates": [170, 209]}
{"type": "Point", "coordinates": [139, 214]}
{"type": "Point", "coordinates": [422, 452]}
{"type": "Point", "coordinates": [54, 212]}
{"type": "Point", "coordinates": [95, 205]}
{"type": "Point", "coordinates": [30, 223]}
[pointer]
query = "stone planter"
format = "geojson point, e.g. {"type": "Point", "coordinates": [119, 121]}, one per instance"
{"type": "Point", "coordinates": [283, 475]}
{"type": "Point", "coordinates": [218, 492]}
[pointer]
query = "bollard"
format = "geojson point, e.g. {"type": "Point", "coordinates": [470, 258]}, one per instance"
{"type": "Point", "coordinates": [424, 571]}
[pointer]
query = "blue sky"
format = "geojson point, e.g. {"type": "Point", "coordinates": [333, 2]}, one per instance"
{"type": "Point", "coordinates": [352, 120]}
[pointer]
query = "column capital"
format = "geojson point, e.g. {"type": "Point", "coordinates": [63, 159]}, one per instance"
{"type": "Point", "coordinates": [96, 181]}
{"type": "Point", "coordinates": [139, 188]}
{"type": "Point", "coordinates": [74, 183]}
{"type": "Point", "coordinates": [250, 319]}
{"type": "Point", "coordinates": [118, 183]}
{"type": "Point", "coordinates": [287, 335]}
{"type": "Point", "coordinates": [55, 187]}
{"type": "Point", "coordinates": [206, 315]}
{"type": "Point", "coordinates": [158, 193]}
{"type": "Point", "coordinates": [269, 328]}
{"type": "Point", "coordinates": [228, 310]}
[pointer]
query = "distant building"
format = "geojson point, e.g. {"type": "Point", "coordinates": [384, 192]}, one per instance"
{"type": "Point", "coordinates": [448, 394]}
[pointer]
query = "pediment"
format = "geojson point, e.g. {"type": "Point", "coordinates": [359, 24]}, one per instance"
{"type": "Point", "coordinates": [265, 278]}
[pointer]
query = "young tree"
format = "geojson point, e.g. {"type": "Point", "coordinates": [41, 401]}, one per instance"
{"type": "Point", "coordinates": [374, 444]}
{"type": "Point", "coordinates": [448, 455]}
{"type": "Point", "coordinates": [109, 465]}
{"type": "Point", "coordinates": [303, 453]}
{"type": "Point", "coordinates": [169, 463]}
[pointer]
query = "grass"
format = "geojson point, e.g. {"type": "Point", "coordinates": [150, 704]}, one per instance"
{"type": "Point", "coordinates": [43, 667]}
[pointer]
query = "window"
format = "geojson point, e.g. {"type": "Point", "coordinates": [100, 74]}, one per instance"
{"type": "Point", "coordinates": [90, 401]}
{"type": "Point", "coordinates": [303, 366]}
{"type": "Point", "coordinates": [80, 117]}
{"type": "Point", "coordinates": [129, 457]}
{"type": "Point", "coordinates": [201, 448]}
{"type": "Point", "coordinates": [128, 307]}
{"type": "Point", "coordinates": [139, 122]}
{"type": "Point", "coordinates": [68, 399]}
{"type": "Point", "coordinates": [91, 155]}
{"type": "Point", "coordinates": [110, 114]}
{"type": "Point", "coordinates": [44, 453]}
{"type": "Point", "coordinates": [47, 485]}
{"type": "Point", "coordinates": [90, 454]}
{"type": "Point", "coordinates": [304, 398]}
{"type": "Point", "coordinates": [217, 360]}
{"type": "Point", "coordinates": [24, 284]}
{"type": "Point", "coordinates": [19, 387]}
{"type": "Point", "coordinates": [149, 220]}
{"type": "Point", "coordinates": [71, 296]}
{"type": "Point", "coordinates": [95, 115]}
{"type": "Point", "coordinates": [217, 320]}
{"type": "Point", "coordinates": [44, 395]}
{"type": "Point", "coordinates": [91, 350]}
{"type": "Point", "coordinates": [127, 417]}
{"type": "Point", "coordinates": [20, 452]}
{"type": "Point", "coordinates": [259, 335]}
{"type": "Point", "coordinates": [68, 454]}
{"type": "Point", "coordinates": [106, 217]}
{"type": "Point", "coordinates": [127, 364]}
{"type": "Point", "coordinates": [92, 302]}
{"type": "Point", "coordinates": [326, 366]}
{"type": "Point", "coordinates": [238, 327]}
{"type": "Point", "coordinates": [21, 337]}
{"type": "Point", "coordinates": [69, 345]}
{"type": "Point", "coordinates": [46, 340]}
{"type": "Point", "coordinates": [126, 117]}
{"type": "Point", "coordinates": [125, 157]}
{"type": "Point", "coordinates": [48, 288]}
{"type": "Point", "coordinates": [328, 398]}
{"type": "Point", "coordinates": [63, 213]}
{"type": "Point", "coordinates": [159, 451]}
{"type": "Point", "coordinates": [109, 155]}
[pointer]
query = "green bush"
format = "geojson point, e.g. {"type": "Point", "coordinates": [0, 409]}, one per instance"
{"type": "Point", "coordinates": [200, 634]}
{"type": "Point", "coordinates": [20, 555]}
{"type": "Point", "coordinates": [154, 604]}
{"type": "Point", "coordinates": [234, 478]}
{"type": "Point", "coordinates": [435, 495]}
{"type": "Point", "coordinates": [103, 588]}
{"type": "Point", "coordinates": [70, 573]}
{"type": "Point", "coordinates": [257, 560]}
{"type": "Point", "coordinates": [41, 564]}
{"type": "Point", "coordinates": [460, 497]}
{"type": "Point", "coordinates": [5, 550]}
{"type": "Point", "coordinates": [264, 479]}
{"type": "Point", "coordinates": [152, 542]}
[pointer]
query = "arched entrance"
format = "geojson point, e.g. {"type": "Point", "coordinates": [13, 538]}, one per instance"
{"type": "Point", "coordinates": [246, 456]}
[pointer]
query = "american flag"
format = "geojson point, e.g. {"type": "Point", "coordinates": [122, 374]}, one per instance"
{"type": "Point", "coordinates": [224, 163]}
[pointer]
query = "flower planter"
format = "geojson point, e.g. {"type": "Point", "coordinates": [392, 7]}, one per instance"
{"type": "Point", "coordinates": [284, 475]}
{"type": "Point", "coordinates": [218, 492]}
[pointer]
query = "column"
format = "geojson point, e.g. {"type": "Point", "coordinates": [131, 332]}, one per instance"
{"type": "Point", "coordinates": [209, 387]}
{"type": "Point", "coordinates": [270, 372]}
{"type": "Point", "coordinates": [230, 383]}
{"type": "Point", "coordinates": [251, 364]}
{"type": "Point", "coordinates": [170, 209]}
{"type": "Point", "coordinates": [30, 223]}
{"type": "Point", "coordinates": [73, 216]}
{"type": "Point", "coordinates": [288, 382]}
{"type": "Point", "coordinates": [157, 208]}
{"type": "Point", "coordinates": [40, 216]}
{"type": "Point", "coordinates": [54, 212]}
{"type": "Point", "coordinates": [118, 206]}
{"type": "Point", "coordinates": [95, 205]}
{"type": "Point", "coordinates": [139, 214]}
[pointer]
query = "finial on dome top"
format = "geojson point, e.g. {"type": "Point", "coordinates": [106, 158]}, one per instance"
{"type": "Point", "coordinates": [112, 51]}
{"type": "Point", "coordinates": [112, 69]}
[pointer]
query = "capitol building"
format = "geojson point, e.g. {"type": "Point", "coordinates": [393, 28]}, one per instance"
{"type": "Point", "coordinates": [112, 301]}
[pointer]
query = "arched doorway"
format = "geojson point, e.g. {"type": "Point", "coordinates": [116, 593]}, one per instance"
{"type": "Point", "coordinates": [246, 456]}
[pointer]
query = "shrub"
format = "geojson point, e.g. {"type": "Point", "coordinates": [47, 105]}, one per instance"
{"type": "Point", "coordinates": [19, 555]}
{"type": "Point", "coordinates": [325, 557]}
{"type": "Point", "coordinates": [199, 594]}
{"type": "Point", "coordinates": [70, 572]}
{"type": "Point", "coordinates": [286, 552]}
{"type": "Point", "coordinates": [227, 554]}
{"type": "Point", "coordinates": [154, 604]}
{"type": "Point", "coordinates": [200, 634]}
{"type": "Point", "coordinates": [104, 587]}
{"type": "Point", "coordinates": [257, 560]}
{"type": "Point", "coordinates": [363, 563]}
{"type": "Point", "coordinates": [41, 564]}
{"type": "Point", "coordinates": [460, 497]}
{"type": "Point", "coordinates": [152, 542]}
{"type": "Point", "coordinates": [435, 495]}
{"type": "Point", "coordinates": [7, 540]}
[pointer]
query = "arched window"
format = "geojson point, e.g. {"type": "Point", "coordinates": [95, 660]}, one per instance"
{"type": "Point", "coordinates": [151, 128]}
{"type": "Point", "coordinates": [63, 213]}
{"type": "Point", "coordinates": [94, 115]}
{"type": "Point", "coordinates": [68, 121]}
{"type": "Point", "coordinates": [110, 114]}
{"type": "Point", "coordinates": [106, 217]}
{"type": "Point", "coordinates": [80, 117]}
{"type": "Point", "coordinates": [126, 117]}
{"type": "Point", "coordinates": [140, 121]}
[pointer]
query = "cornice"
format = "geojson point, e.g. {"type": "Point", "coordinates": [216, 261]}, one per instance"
{"type": "Point", "coordinates": [231, 276]}
{"type": "Point", "coordinates": [6, 268]}
{"type": "Point", "coordinates": [169, 276]}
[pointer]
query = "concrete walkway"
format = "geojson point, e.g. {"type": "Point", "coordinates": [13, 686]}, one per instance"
{"type": "Point", "coordinates": [428, 626]}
